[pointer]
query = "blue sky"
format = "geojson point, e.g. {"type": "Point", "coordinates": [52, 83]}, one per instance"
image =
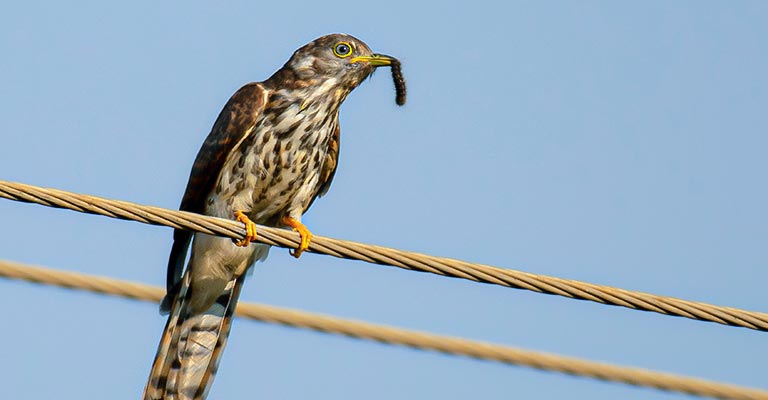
{"type": "Point", "coordinates": [617, 143]}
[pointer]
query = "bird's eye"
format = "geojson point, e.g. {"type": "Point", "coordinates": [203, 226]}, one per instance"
{"type": "Point", "coordinates": [342, 49]}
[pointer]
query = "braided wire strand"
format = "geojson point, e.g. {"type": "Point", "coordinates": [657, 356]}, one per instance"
{"type": "Point", "coordinates": [403, 337]}
{"type": "Point", "coordinates": [392, 257]}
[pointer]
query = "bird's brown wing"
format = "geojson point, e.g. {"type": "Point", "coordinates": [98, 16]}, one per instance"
{"type": "Point", "coordinates": [328, 170]}
{"type": "Point", "coordinates": [235, 122]}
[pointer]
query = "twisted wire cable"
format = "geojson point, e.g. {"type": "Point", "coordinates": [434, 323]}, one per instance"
{"type": "Point", "coordinates": [388, 256]}
{"type": "Point", "coordinates": [403, 337]}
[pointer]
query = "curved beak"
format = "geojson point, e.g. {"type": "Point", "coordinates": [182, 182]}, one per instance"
{"type": "Point", "coordinates": [375, 60]}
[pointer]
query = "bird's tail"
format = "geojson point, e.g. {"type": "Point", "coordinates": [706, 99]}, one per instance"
{"type": "Point", "coordinates": [191, 346]}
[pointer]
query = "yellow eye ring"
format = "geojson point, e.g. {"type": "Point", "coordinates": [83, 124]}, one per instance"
{"type": "Point", "coordinates": [342, 49]}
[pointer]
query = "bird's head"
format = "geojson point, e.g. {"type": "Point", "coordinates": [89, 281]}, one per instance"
{"type": "Point", "coordinates": [336, 62]}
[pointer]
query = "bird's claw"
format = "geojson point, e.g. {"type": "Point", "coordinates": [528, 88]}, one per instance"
{"type": "Point", "coordinates": [250, 229]}
{"type": "Point", "coordinates": [306, 235]}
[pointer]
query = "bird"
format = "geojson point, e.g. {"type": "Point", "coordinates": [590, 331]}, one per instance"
{"type": "Point", "coordinates": [272, 151]}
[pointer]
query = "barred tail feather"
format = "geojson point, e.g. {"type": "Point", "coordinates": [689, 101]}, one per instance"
{"type": "Point", "coordinates": [191, 347]}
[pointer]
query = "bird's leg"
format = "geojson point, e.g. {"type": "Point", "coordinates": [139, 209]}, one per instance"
{"type": "Point", "coordinates": [306, 235]}
{"type": "Point", "coordinates": [250, 229]}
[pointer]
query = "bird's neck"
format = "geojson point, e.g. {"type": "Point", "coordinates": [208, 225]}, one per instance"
{"type": "Point", "coordinates": [324, 99]}
{"type": "Point", "coordinates": [324, 92]}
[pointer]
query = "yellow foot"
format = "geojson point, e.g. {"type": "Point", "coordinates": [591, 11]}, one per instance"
{"type": "Point", "coordinates": [250, 229]}
{"type": "Point", "coordinates": [306, 235]}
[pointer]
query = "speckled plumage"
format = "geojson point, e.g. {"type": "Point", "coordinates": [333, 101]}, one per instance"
{"type": "Point", "coordinates": [273, 149]}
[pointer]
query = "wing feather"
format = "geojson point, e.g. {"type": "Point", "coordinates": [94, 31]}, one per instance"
{"type": "Point", "coordinates": [234, 123]}
{"type": "Point", "coordinates": [328, 170]}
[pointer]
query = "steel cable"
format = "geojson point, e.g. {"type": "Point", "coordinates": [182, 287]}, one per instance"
{"type": "Point", "coordinates": [388, 256]}
{"type": "Point", "coordinates": [403, 337]}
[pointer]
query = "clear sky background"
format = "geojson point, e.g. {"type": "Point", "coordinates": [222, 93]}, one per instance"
{"type": "Point", "coordinates": [612, 142]}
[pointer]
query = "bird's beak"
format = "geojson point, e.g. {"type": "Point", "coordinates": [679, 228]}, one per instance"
{"type": "Point", "coordinates": [375, 60]}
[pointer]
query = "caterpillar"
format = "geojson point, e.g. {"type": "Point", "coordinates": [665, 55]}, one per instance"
{"type": "Point", "coordinates": [399, 81]}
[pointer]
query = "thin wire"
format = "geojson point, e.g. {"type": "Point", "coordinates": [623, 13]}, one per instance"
{"type": "Point", "coordinates": [392, 257]}
{"type": "Point", "coordinates": [403, 337]}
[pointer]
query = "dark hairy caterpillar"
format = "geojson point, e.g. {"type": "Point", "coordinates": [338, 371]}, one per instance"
{"type": "Point", "coordinates": [397, 78]}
